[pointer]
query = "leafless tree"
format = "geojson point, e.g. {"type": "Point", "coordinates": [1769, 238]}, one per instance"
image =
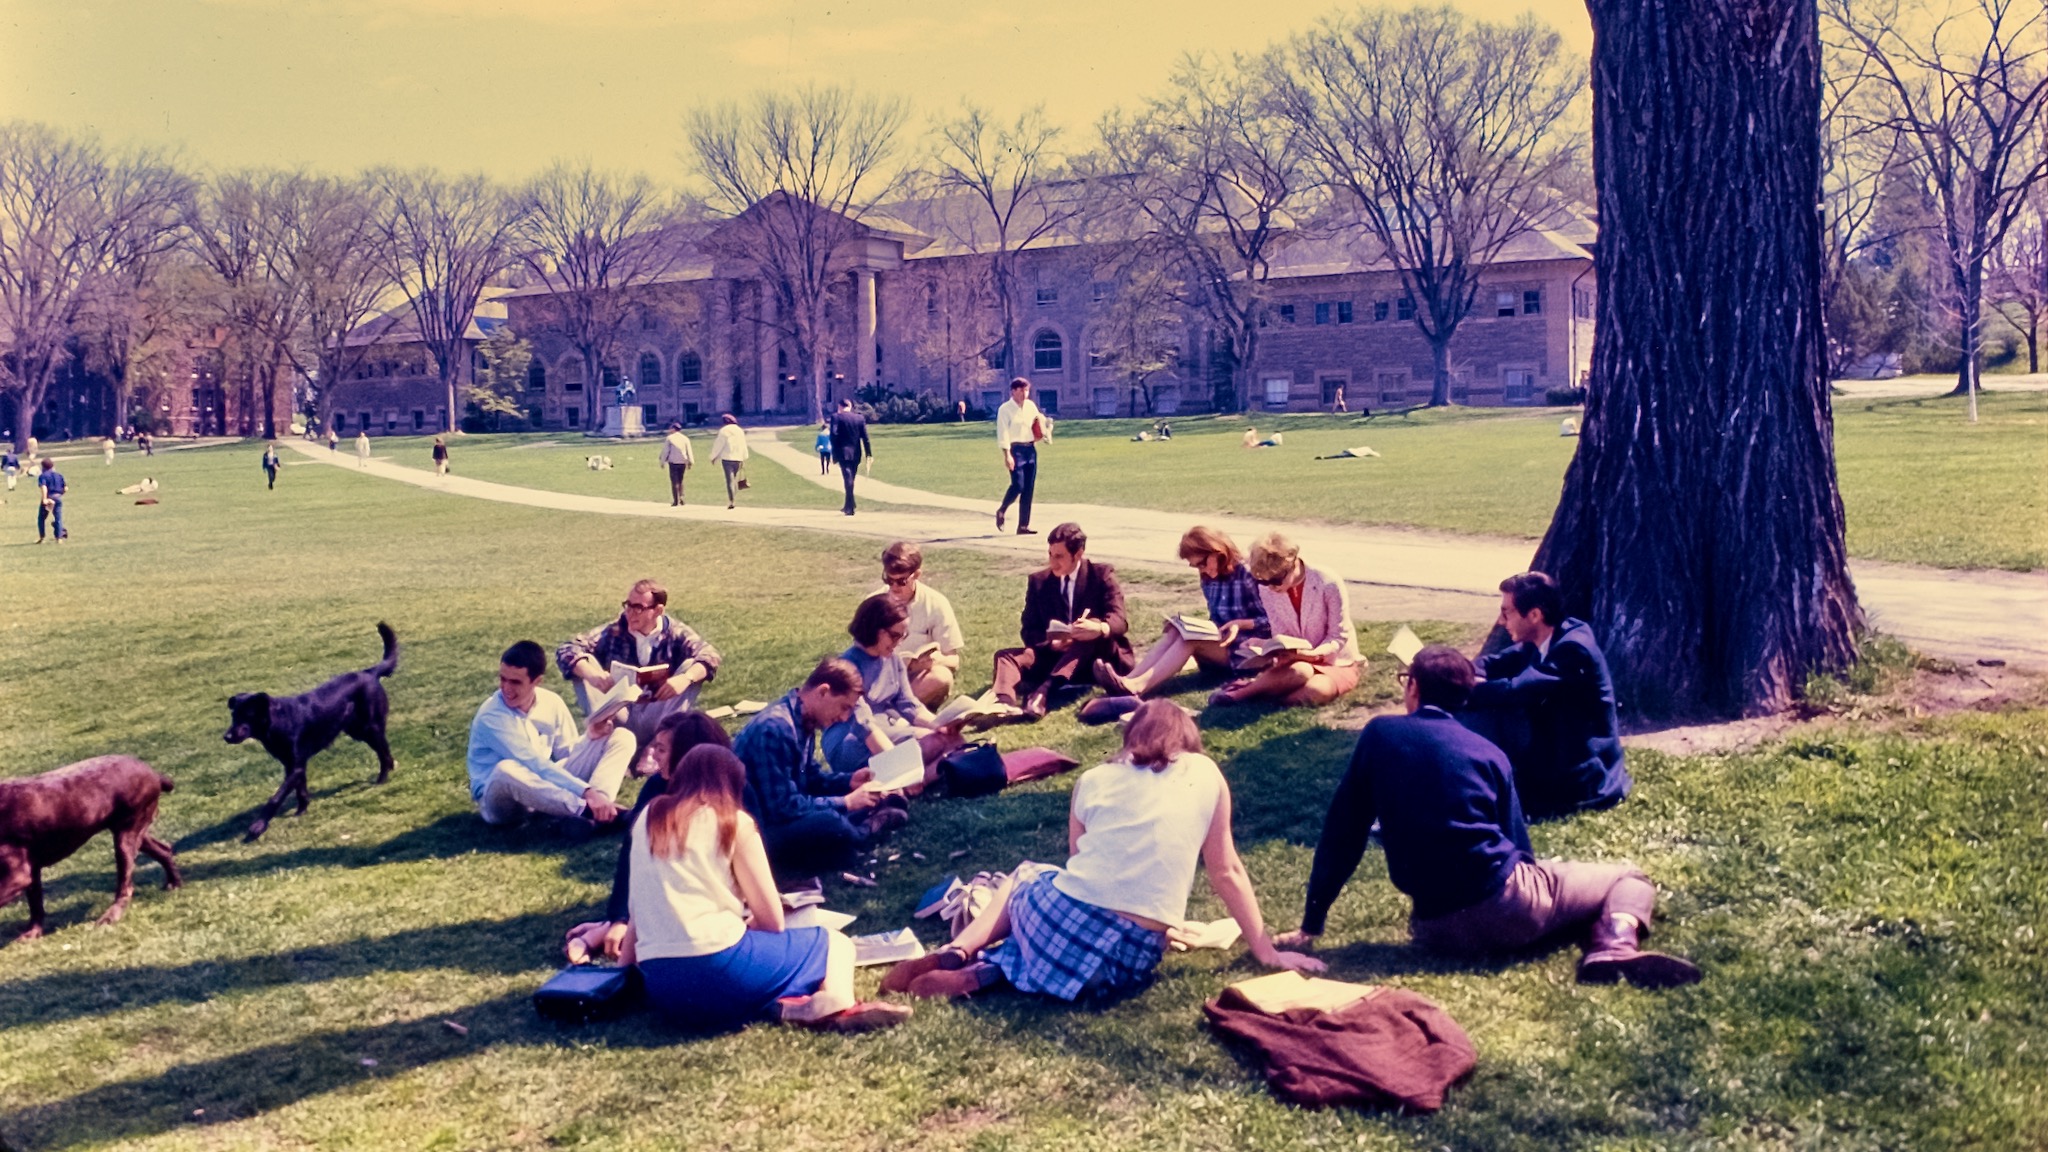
{"type": "Point", "coordinates": [2019, 275]}
{"type": "Point", "coordinates": [954, 324]}
{"type": "Point", "coordinates": [1010, 170]}
{"type": "Point", "coordinates": [1446, 135]}
{"type": "Point", "coordinates": [589, 237]}
{"type": "Point", "coordinates": [1217, 176]}
{"type": "Point", "coordinates": [70, 214]}
{"type": "Point", "coordinates": [1856, 157]}
{"type": "Point", "coordinates": [1965, 83]}
{"type": "Point", "coordinates": [793, 175]}
{"type": "Point", "coordinates": [328, 257]}
{"type": "Point", "coordinates": [443, 239]}
{"type": "Point", "coordinates": [137, 316]}
{"type": "Point", "coordinates": [1141, 327]}
{"type": "Point", "coordinates": [237, 223]}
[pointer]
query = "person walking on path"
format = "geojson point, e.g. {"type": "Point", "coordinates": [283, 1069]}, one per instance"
{"type": "Point", "coordinates": [440, 455]}
{"type": "Point", "coordinates": [50, 517]}
{"type": "Point", "coordinates": [850, 446]}
{"type": "Point", "coordinates": [271, 464]}
{"type": "Point", "coordinates": [1019, 428]}
{"type": "Point", "coordinates": [675, 452]}
{"type": "Point", "coordinates": [729, 448]}
{"type": "Point", "coordinates": [147, 442]}
{"type": "Point", "coordinates": [10, 464]}
{"type": "Point", "coordinates": [362, 449]}
{"type": "Point", "coordinates": [332, 439]}
{"type": "Point", "coordinates": [823, 446]}
{"type": "Point", "coordinates": [107, 449]}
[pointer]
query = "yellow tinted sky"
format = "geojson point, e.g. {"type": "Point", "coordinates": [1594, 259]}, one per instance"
{"type": "Point", "coordinates": [505, 86]}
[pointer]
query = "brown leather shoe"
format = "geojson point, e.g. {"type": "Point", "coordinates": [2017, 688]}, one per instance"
{"type": "Point", "coordinates": [1110, 680]}
{"type": "Point", "coordinates": [1612, 955]}
{"type": "Point", "coordinates": [950, 985]}
{"type": "Point", "coordinates": [866, 1016]}
{"type": "Point", "coordinates": [947, 959]}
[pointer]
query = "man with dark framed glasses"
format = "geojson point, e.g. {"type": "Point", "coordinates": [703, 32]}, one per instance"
{"type": "Point", "coordinates": [671, 660]}
{"type": "Point", "coordinates": [931, 648]}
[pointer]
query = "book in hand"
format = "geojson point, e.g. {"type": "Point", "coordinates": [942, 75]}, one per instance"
{"type": "Point", "coordinates": [896, 769]}
{"type": "Point", "coordinates": [648, 675]}
{"type": "Point", "coordinates": [886, 948]}
{"type": "Point", "coordinates": [1263, 651]}
{"type": "Point", "coordinates": [1405, 644]}
{"type": "Point", "coordinates": [814, 916]}
{"type": "Point", "coordinates": [982, 707]}
{"type": "Point", "coordinates": [607, 704]}
{"type": "Point", "coordinates": [921, 652]}
{"type": "Point", "coordinates": [1195, 627]}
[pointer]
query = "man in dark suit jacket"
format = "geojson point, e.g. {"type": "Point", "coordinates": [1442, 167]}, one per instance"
{"type": "Point", "coordinates": [1549, 701]}
{"type": "Point", "coordinates": [849, 445]}
{"type": "Point", "coordinates": [1075, 591]}
{"type": "Point", "coordinates": [1444, 799]}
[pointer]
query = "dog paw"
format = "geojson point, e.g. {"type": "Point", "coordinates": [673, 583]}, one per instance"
{"type": "Point", "coordinates": [113, 916]}
{"type": "Point", "coordinates": [255, 830]}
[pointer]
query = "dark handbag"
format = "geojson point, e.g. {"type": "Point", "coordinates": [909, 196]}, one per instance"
{"type": "Point", "coordinates": [976, 770]}
{"type": "Point", "coordinates": [587, 992]}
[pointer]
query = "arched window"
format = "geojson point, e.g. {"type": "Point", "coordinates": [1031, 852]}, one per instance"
{"type": "Point", "coordinates": [689, 369]}
{"type": "Point", "coordinates": [536, 376]}
{"type": "Point", "coordinates": [571, 372]}
{"type": "Point", "coordinates": [650, 371]}
{"type": "Point", "coordinates": [1048, 352]}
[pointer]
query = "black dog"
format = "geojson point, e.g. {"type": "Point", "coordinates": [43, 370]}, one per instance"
{"type": "Point", "coordinates": [46, 818]}
{"type": "Point", "coordinates": [296, 728]}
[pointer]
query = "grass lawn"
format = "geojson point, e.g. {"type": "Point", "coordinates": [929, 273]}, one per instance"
{"type": "Point", "coordinates": [1920, 484]}
{"type": "Point", "coordinates": [1866, 902]}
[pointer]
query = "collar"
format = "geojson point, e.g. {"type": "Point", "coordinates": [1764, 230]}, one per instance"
{"type": "Point", "coordinates": [1432, 712]}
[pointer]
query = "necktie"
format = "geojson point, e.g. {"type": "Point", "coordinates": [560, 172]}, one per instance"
{"type": "Point", "coordinates": [1067, 594]}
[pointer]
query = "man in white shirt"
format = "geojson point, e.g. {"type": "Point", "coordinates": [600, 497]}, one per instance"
{"type": "Point", "coordinates": [675, 452]}
{"type": "Point", "coordinates": [525, 759]}
{"type": "Point", "coordinates": [729, 448]}
{"type": "Point", "coordinates": [1019, 428]}
{"type": "Point", "coordinates": [931, 622]}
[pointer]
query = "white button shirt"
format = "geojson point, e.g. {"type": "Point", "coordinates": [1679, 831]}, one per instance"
{"type": "Point", "coordinates": [1014, 420]}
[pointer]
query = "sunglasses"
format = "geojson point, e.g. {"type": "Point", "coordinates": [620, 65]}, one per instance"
{"type": "Point", "coordinates": [629, 606]}
{"type": "Point", "coordinates": [903, 581]}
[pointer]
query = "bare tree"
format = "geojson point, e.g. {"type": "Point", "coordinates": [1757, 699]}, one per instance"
{"type": "Point", "coordinates": [1138, 334]}
{"type": "Point", "coordinates": [70, 214]}
{"type": "Point", "coordinates": [2019, 275]}
{"type": "Point", "coordinates": [589, 237]}
{"type": "Point", "coordinates": [238, 224]}
{"type": "Point", "coordinates": [1856, 158]}
{"type": "Point", "coordinates": [1446, 135]}
{"type": "Point", "coordinates": [442, 240]}
{"type": "Point", "coordinates": [1010, 171]}
{"type": "Point", "coordinates": [1217, 176]}
{"type": "Point", "coordinates": [793, 175]}
{"type": "Point", "coordinates": [954, 324]}
{"type": "Point", "coordinates": [137, 316]}
{"type": "Point", "coordinates": [1700, 531]}
{"type": "Point", "coordinates": [1966, 86]}
{"type": "Point", "coordinates": [328, 258]}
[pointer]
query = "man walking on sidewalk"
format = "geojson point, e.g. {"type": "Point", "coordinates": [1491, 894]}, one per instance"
{"type": "Point", "coordinates": [849, 446]}
{"type": "Point", "coordinates": [1019, 428]}
{"type": "Point", "coordinates": [675, 452]}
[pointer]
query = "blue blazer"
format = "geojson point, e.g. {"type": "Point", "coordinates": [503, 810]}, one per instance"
{"type": "Point", "coordinates": [1570, 757]}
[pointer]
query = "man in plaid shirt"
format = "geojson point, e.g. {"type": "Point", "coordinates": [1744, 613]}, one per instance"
{"type": "Point", "coordinates": [812, 820]}
{"type": "Point", "coordinates": [644, 636]}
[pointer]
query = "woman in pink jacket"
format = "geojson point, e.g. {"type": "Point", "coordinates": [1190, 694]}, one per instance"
{"type": "Point", "coordinates": [1311, 617]}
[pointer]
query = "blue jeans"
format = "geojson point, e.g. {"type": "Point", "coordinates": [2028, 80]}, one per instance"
{"type": "Point", "coordinates": [51, 515]}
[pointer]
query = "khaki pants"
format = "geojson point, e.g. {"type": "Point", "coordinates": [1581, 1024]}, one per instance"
{"type": "Point", "coordinates": [515, 791]}
{"type": "Point", "coordinates": [641, 719]}
{"type": "Point", "coordinates": [1543, 899]}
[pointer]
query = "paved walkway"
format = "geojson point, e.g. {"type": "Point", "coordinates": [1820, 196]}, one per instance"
{"type": "Point", "coordinates": [1393, 573]}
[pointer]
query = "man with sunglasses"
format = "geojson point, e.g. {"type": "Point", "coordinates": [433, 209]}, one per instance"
{"type": "Point", "coordinates": [932, 670]}
{"type": "Point", "coordinates": [644, 636]}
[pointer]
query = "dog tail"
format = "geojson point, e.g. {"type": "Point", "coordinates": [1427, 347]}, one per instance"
{"type": "Point", "coordinates": [389, 663]}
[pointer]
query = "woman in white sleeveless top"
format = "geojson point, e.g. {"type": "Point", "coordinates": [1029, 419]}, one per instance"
{"type": "Point", "coordinates": [706, 921]}
{"type": "Point", "coordinates": [1099, 926]}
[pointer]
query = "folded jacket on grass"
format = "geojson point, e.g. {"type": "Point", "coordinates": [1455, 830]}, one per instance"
{"type": "Point", "coordinates": [1389, 1048]}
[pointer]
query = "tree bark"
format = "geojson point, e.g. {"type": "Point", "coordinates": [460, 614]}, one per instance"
{"type": "Point", "coordinates": [1440, 372]}
{"type": "Point", "coordinates": [1700, 531]}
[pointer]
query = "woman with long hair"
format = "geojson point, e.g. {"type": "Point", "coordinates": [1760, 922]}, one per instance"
{"type": "Point", "coordinates": [707, 930]}
{"type": "Point", "coordinates": [1234, 608]}
{"type": "Point", "coordinates": [1309, 606]}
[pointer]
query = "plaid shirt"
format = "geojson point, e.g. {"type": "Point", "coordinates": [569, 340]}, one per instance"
{"type": "Point", "coordinates": [1236, 597]}
{"type": "Point", "coordinates": [784, 779]}
{"type": "Point", "coordinates": [675, 644]}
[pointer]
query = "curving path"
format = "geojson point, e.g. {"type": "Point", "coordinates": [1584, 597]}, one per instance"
{"type": "Point", "coordinates": [1393, 573]}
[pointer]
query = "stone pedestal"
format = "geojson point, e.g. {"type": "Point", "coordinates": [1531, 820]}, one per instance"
{"type": "Point", "coordinates": [622, 422]}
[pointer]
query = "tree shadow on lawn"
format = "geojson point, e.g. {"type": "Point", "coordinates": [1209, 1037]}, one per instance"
{"type": "Point", "coordinates": [455, 834]}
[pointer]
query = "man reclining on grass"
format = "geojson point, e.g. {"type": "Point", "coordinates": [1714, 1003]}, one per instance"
{"type": "Point", "coordinates": [1457, 846]}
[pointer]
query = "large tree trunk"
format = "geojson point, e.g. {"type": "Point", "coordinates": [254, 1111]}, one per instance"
{"type": "Point", "coordinates": [1700, 531]}
{"type": "Point", "coordinates": [24, 417]}
{"type": "Point", "coordinates": [1969, 281]}
{"type": "Point", "coordinates": [1440, 370]}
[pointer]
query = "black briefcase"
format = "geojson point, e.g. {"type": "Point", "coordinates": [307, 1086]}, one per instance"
{"type": "Point", "coordinates": [975, 770]}
{"type": "Point", "coordinates": [587, 992]}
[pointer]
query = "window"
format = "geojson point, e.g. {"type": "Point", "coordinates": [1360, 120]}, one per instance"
{"type": "Point", "coordinates": [419, 419]}
{"type": "Point", "coordinates": [1518, 385]}
{"type": "Point", "coordinates": [931, 299]}
{"type": "Point", "coordinates": [536, 415]}
{"type": "Point", "coordinates": [1105, 401]}
{"type": "Point", "coordinates": [1047, 297]}
{"type": "Point", "coordinates": [1166, 400]}
{"type": "Point", "coordinates": [1048, 352]}
{"type": "Point", "coordinates": [991, 400]}
{"type": "Point", "coordinates": [341, 422]}
{"type": "Point", "coordinates": [572, 416]}
{"type": "Point", "coordinates": [1048, 400]}
{"type": "Point", "coordinates": [610, 374]}
{"type": "Point", "coordinates": [1380, 308]}
{"type": "Point", "coordinates": [1393, 386]}
{"type": "Point", "coordinates": [1322, 313]}
{"type": "Point", "coordinates": [1532, 302]}
{"type": "Point", "coordinates": [689, 369]}
{"type": "Point", "coordinates": [1331, 384]}
{"type": "Point", "coordinates": [1101, 359]}
{"type": "Point", "coordinates": [1343, 311]}
{"type": "Point", "coordinates": [1504, 304]}
{"type": "Point", "coordinates": [362, 421]}
{"type": "Point", "coordinates": [1287, 313]}
{"type": "Point", "coordinates": [536, 376]}
{"type": "Point", "coordinates": [650, 415]}
{"type": "Point", "coordinates": [1582, 303]}
{"type": "Point", "coordinates": [650, 370]}
{"type": "Point", "coordinates": [571, 373]}
{"type": "Point", "coordinates": [1277, 390]}
{"type": "Point", "coordinates": [1099, 291]}
{"type": "Point", "coordinates": [390, 421]}
{"type": "Point", "coordinates": [1404, 308]}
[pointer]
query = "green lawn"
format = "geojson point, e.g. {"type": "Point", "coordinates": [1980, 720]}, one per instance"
{"type": "Point", "coordinates": [1920, 484]}
{"type": "Point", "coordinates": [1866, 902]}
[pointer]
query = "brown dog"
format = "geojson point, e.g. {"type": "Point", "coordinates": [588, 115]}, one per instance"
{"type": "Point", "coordinates": [44, 819]}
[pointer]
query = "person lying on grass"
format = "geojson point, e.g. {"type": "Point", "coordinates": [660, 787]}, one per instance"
{"type": "Point", "coordinates": [1099, 926]}
{"type": "Point", "coordinates": [1234, 607]}
{"type": "Point", "coordinates": [706, 928]}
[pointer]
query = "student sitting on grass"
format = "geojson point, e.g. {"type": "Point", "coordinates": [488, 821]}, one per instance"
{"type": "Point", "coordinates": [1234, 607]}
{"type": "Point", "coordinates": [1310, 606]}
{"type": "Point", "coordinates": [932, 623]}
{"type": "Point", "coordinates": [1456, 845]}
{"type": "Point", "coordinates": [1099, 927]}
{"type": "Point", "coordinates": [888, 713]}
{"type": "Point", "coordinates": [812, 820]}
{"type": "Point", "coordinates": [707, 931]}
{"type": "Point", "coordinates": [525, 758]}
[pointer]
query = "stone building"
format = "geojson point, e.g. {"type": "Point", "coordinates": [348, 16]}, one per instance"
{"type": "Point", "coordinates": [394, 389]}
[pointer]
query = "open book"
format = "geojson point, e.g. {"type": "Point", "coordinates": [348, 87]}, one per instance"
{"type": "Point", "coordinates": [1405, 644]}
{"type": "Point", "coordinates": [982, 707]}
{"type": "Point", "coordinates": [1195, 627]}
{"type": "Point", "coordinates": [886, 948]}
{"type": "Point", "coordinates": [1259, 653]}
{"type": "Point", "coordinates": [606, 704]}
{"type": "Point", "coordinates": [1282, 991]}
{"type": "Point", "coordinates": [814, 916]}
{"type": "Point", "coordinates": [647, 675]}
{"type": "Point", "coordinates": [896, 769]}
{"type": "Point", "coordinates": [737, 708]}
{"type": "Point", "coordinates": [920, 652]}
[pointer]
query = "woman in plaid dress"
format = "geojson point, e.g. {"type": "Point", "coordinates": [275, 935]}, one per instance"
{"type": "Point", "coordinates": [1099, 927]}
{"type": "Point", "coordinates": [1234, 607]}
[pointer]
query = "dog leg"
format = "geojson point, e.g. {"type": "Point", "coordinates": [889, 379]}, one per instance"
{"type": "Point", "coordinates": [161, 852]}
{"type": "Point", "coordinates": [124, 875]}
{"type": "Point", "coordinates": [270, 807]}
{"type": "Point", "coordinates": [382, 748]}
{"type": "Point", "coordinates": [17, 876]}
{"type": "Point", "coordinates": [300, 791]}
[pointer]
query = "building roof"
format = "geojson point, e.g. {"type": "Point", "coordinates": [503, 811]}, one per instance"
{"type": "Point", "coordinates": [1351, 249]}
{"type": "Point", "coordinates": [399, 326]}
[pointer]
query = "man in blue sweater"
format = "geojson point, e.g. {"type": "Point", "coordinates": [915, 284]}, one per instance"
{"type": "Point", "coordinates": [50, 516]}
{"type": "Point", "coordinates": [812, 820]}
{"type": "Point", "coordinates": [1457, 846]}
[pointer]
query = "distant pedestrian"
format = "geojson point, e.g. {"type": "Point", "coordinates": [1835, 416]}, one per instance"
{"type": "Point", "coordinates": [1337, 400]}
{"type": "Point", "coordinates": [729, 448]}
{"type": "Point", "coordinates": [823, 446]}
{"type": "Point", "coordinates": [362, 449]}
{"type": "Point", "coordinates": [107, 450]}
{"type": "Point", "coordinates": [960, 410]}
{"type": "Point", "coordinates": [50, 517]}
{"type": "Point", "coordinates": [148, 443]}
{"type": "Point", "coordinates": [1019, 428]}
{"type": "Point", "coordinates": [850, 446]}
{"type": "Point", "coordinates": [10, 464]}
{"type": "Point", "coordinates": [676, 453]}
{"type": "Point", "coordinates": [271, 463]}
{"type": "Point", "coordinates": [440, 455]}
{"type": "Point", "coordinates": [332, 439]}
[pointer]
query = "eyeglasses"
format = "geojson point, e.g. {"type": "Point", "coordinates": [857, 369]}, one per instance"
{"type": "Point", "coordinates": [629, 606]}
{"type": "Point", "coordinates": [903, 581]}
{"type": "Point", "coordinates": [1404, 676]}
{"type": "Point", "coordinates": [899, 633]}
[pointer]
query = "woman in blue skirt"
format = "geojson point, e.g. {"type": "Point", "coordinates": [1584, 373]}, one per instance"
{"type": "Point", "coordinates": [1098, 927]}
{"type": "Point", "coordinates": [706, 927]}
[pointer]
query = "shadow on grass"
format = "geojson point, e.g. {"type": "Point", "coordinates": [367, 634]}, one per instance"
{"type": "Point", "coordinates": [455, 834]}
{"type": "Point", "coordinates": [236, 826]}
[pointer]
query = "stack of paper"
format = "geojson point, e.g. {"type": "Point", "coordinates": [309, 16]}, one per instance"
{"type": "Point", "coordinates": [1405, 645]}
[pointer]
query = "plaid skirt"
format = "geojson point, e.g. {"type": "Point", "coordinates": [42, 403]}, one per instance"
{"type": "Point", "coordinates": [1060, 946]}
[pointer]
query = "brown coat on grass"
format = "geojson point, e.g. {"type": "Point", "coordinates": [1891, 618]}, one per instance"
{"type": "Point", "coordinates": [44, 819]}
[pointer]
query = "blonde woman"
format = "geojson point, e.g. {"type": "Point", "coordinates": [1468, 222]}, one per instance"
{"type": "Point", "coordinates": [1309, 605]}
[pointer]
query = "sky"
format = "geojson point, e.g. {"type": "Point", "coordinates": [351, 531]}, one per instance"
{"type": "Point", "coordinates": [508, 86]}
